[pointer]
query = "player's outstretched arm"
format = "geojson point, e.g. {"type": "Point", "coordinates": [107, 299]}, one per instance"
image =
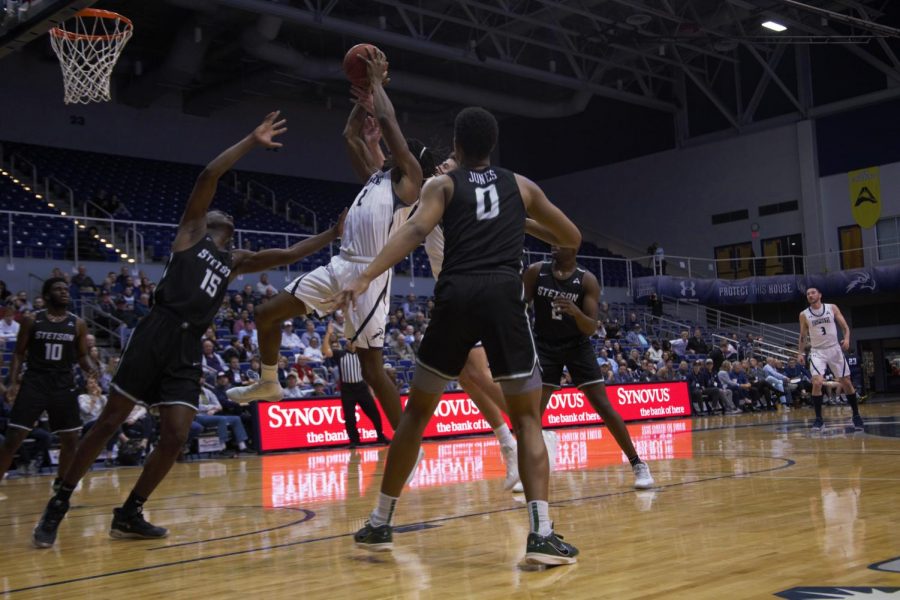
{"type": "Point", "coordinates": [246, 261]}
{"type": "Point", "coordinates": [408, 237]}
{"type": "Point", "coordinates": [327, 352]}
{"type": "Point", "coordinates": [15, 371]}
{"type": "Point", "coordinates": [529, 281]}
{"type": "Point", "coordinates": [193, 222]}
{"type": "Point", "coordinates": [361, 158]}
{"type": "Point", "coordinates": [547, 215]}
{"type": "Point", "coordinates": [804, 331]}
{"type": "Point", "coordinates": [411, 183]}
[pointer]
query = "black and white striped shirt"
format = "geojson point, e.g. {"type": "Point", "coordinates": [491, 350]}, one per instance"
{"type": "Point", "coordinates": [349, 367]}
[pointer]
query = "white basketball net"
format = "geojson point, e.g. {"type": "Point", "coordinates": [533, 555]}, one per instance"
{"type": "Point", "coordinates": [88, 46]}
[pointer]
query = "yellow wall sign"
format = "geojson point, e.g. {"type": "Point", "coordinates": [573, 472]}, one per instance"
{"type": "Point", "coordinates": [865, 196]}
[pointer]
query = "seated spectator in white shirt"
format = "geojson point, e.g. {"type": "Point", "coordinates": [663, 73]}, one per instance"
{"type": "Point", "coordinates": [263, 287]}
{"type": "Point", "coordinates": [91, 403]}
{"type": "Point", "coordinates": [310, 333]}
{"type": "Point", "coordinates": [604, 359]}
{"type": "Point", "coordinates": [211, 362]}
{"type": "Point", "coordinates": [337, 324]}
{"type": "Point", "coordinates": [679, 345]}
{"type": "Point", "coordinates": [289, 339]}
{"type": "Point", "coordinates": [9, 328]}
{"type": "Point", "coordinates": [292, 390]}
{"type": "Point", "coordinates": [313, 353]}
{"type": "Point", "coordinates": [318, 390]}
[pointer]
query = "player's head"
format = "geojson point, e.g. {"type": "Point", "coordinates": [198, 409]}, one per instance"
{"type": "Point", "coordinates": [563, 255]}
{"type": "Point", "coordinates": [55, 292]}
{"type": "Point", "coordinates": [218, 221]}
{"type": "Point", "coordinates": [449, 164]}
{"type": "Point", "coordinates": [813, 295]}
{"type": "Point", "coordinates": [424, 155]}
{"type": "Point", "coordinates": [475, 134]}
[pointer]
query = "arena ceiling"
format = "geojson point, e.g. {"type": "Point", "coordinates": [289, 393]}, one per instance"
{"type": "Point", "coordinates": [700, 66]}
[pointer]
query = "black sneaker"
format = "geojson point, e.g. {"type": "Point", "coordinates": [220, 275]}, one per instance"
{"type": "Point", "coordinates": [57, 483]}
{"type": "Point", "coordinates": [375, 539]}
{"type": "Point", "coordinates": [858, 423]}
{"type": "Point", "coordinates": [134, 526]}
{"type": "Point", "coordinates": [548, 550]}
{"type": "Point", "coordinates": [44, 534]}
{"type": "Point", "coordinates": [817, 425]}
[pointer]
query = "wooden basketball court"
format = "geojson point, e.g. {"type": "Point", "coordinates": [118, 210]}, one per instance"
{"type": "Point", "coordinates": [746, 507]}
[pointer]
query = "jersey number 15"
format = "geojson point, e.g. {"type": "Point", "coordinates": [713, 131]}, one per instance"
{"type": "Point", "coordinates": [210, 283]}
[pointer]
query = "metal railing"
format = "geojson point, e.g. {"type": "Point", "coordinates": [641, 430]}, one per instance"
{"type": "Point", "coordinates": [741, 326]}
{"type": "Point", "coordinates": [288, 204]}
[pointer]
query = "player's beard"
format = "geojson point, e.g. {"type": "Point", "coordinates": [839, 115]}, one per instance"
{"type": "Point", "coordinates": [57, 305]}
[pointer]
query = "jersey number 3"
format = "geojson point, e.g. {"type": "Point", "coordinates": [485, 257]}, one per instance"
{"type": "Point", "coordinates": [211, 283]}
{"type": "Point", "coordinates": [487, 203]}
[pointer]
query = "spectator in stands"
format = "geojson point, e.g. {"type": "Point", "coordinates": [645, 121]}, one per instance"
{"type": "Point", "coordinates": [600, 332]}
{"type": "Point", "coordinates": [603, 312]}
{"type": "Point", "coordinates": [749, 396]}
{"type": "Point", "coordinates": [764, 390]}
{"type": "Point", "coordinates": [392, 324]}
{"type": "Point", "coordinates": [23, 303]}
{"type": "Point", "coordinates": [734, 394]}
{"type": "Point", "coordinates": [713, 394]}
{"type": "Point", "coordinates": [337, 324]}
{"type": "Point", "coordinates": [632, 321]}
{"type": "Point", "coordinates": [211, 362]}
{"type": "Point", "coordinates": [209, 414]}
{"type": "Point", "coordinates": [310, 333]}
{"type": "Point", "coordinates": [244, 325]}
{"type": "Point", "coordinates": [237, 303]}
{"type": "Point", "coordinates": [608, 375]}
{"type": "Point", "coordinates": [656, 306]}
{"type": "Point", "coordinates": [696, 345]}
{"type": "Point", "coordinates": [410, 306]}
{"type": "Point", "coordinates": [313, 352]}
{"type": "Point", "coordinates": [108, 370]}
{"type": "Point", "coordinates": [683, 371]}
{"type": "Point", "coordinates": [318, 390]}
{"type": "Point", "coordinates": [234, 373]}
{"type": "Point", "coordinates": [717, 357]}
{"type": "Point", "coordinates": [289, 339]}
{"type": "Point", "coordinates": [613, 329]}
{"type": "Point", "coordinates": [680, 344]}
{"type": "Point", "coordinates": [779, 381]}
{"type": "Point", "coordinates": [654, 352]}
{"type": "Point", "coordinates": [623, 375]}
{"type": "Point", "coordinates": [91, 403]}
{"type": "Point", "coordinates": [83, 281]}
{"type": "Point", "coordinates": [283, 370]}
{"type": "Point", "coordinates": [263, 286]}
{"type": "Point", "coordinates": [255, 369]}
{"type": "Point", "coordinates": [399, 346]}
{"type": "Point", "coordinates": [9, 328]}
{"type": "Point", "coordinates": [747, 346]}
{"type": "Point", "coordinates": [235, 350]}
{"type": "Point", "coordinates": [800, 377]}
{"type": "Point", "coordinates": [250, 295]}
{"type": "Point", "coordinates": [604, 359]}
{"type": "Point", "coordinates": [728, 350]}
{"type": "Point", "coordinates": [142, 306]}
{"type": "Point", "coordinates": [391, 372]}
{"type": "Point", "coordinates": [636, 337]}
{"type": "Point", "coordinates": [292, 389]}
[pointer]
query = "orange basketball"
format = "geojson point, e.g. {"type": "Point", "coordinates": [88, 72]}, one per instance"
{"type": "Point", "coordinates": [355, 67]}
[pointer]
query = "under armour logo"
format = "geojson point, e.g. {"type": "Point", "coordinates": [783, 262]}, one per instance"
{"type": "Point", "coordinates": [689, 286]}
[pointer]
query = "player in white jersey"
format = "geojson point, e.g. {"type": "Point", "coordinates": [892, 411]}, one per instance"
{"type": "Point", "coordinates": [366, 230]}
{"type": "Point", "coordinates": [820, 321]}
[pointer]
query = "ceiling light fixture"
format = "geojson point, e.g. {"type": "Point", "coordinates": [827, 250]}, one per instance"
{"type": "Point", "coordinates": [778, 27]}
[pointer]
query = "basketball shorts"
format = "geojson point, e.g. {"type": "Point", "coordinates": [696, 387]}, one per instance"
{"type": "Point", "coordinates": [833, 358]}
{"type": "Point", "coordinates": [579, 359]}
{"type": "Point", "coordinates": [366, 320]}
{"type": "Point", "coordinates": [161, 365]}
{"type": "Point", "coordinates": [473, 307]}
{"type": "Point", "coordinates": [46, 392]}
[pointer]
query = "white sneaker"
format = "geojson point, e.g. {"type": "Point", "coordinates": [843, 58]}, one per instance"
{"type": "Point", "coordinates": [268, 391]}
{"type": "Point", "coordinates": [518, 488]}
{"type": "Point", "coordinates": [511, 458]}
{"type": "Point", "coordinates": [412, 474]}
{"type": "Point", "coordinates": [643, 480]}
{"type": "Point", "coordinates": [551, 440]}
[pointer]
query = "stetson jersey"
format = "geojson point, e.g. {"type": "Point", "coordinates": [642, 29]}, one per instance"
{"type": "Point", "coordinates": [52, 346]}
{"type": "Point", "coordinates": [195, 283]}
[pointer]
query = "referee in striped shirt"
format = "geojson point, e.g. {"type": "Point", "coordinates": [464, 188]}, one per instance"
{"type": "Point", "coordinates": [354, 390]}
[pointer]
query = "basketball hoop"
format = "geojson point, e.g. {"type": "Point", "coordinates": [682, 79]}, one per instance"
{"type": "Point", "coordinates": [88, 46]}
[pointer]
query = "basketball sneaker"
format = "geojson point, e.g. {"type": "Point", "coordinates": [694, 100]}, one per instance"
{"type": "Point", "coordinates": [548, 550]}
{"type": "Point", "coordinates": [817, 425]}
{"type": "Point", "coordinates": [375, 539]}
{"type": "Point", "coordinates": [643, 480]}
{"type": "Point", "coordinates": [44, 534]}
{"type": "Point", "coordinates": [134, 526]}
{"type": "Point", "coordinates": [858, 423]}
{"type": "Point", "coordinates": [511, 458]}
{"type": "Point", "coordinates": [412, 474]}
{"type": "Point", "coordinates": [266, 391]}
{"type": "Point", "coordinates": [518, 488]}
{"type": "Point", "coordinates": [551, 440]}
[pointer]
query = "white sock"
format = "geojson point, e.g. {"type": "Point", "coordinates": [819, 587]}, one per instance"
{"type": "Point", "coordinates": [539, 515]}
{"type": "Point", "coordinates": [269, 373]}
{"type": "Point", "coordinates": [384, 510]}
{"type": "Point", "coordinates": [504, 435]}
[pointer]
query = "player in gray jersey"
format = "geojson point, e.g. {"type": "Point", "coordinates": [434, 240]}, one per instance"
{"type": "Point", "coordinates": [820, 321]}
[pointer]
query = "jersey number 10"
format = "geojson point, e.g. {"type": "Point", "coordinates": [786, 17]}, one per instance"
{"type": "Point", "coordinates": [53, 351]}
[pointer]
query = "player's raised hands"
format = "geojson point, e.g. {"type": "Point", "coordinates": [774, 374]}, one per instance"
{"type": "Point", "coordinates": [363, 98]}
{"type": "Point", "coordinates": [271, 127]}
{"type": "Point", "coordinates": [378, 66]}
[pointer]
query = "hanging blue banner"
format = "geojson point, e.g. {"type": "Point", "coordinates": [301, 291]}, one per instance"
{"type": "Point", "coordinates": [775, 288]}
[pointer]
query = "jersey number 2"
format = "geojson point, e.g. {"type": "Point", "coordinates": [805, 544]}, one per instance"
{"type": "Point", "coordinates": [487, 203]}
{"type": "Point", "coordinates": [211, 283]}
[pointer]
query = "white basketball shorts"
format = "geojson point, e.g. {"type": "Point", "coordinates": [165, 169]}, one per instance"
{"type": "Point", "coordinates": [833, 358]}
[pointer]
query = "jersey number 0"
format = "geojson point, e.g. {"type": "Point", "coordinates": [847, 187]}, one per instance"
{"type": "Point", "coordinates": [487, 203]}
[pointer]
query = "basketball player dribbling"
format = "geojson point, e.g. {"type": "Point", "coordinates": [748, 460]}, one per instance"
{"type": "Point", "coordinates": [161, 365]}
{"type": "Point", "coordinates": [565, 297]}
{"type": "Point", "coordinates": [819, 321]}
{"type": "Point", "coordinates": [478, 297]}
{"type": "Point", "coordinates": [367, 229]}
